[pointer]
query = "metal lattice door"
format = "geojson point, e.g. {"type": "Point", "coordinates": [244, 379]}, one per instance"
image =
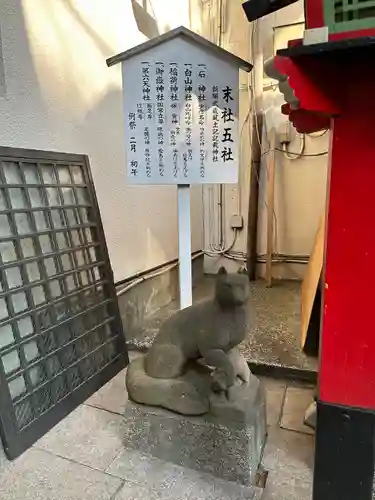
{"type": "Point", "coordinates": [60, 330]}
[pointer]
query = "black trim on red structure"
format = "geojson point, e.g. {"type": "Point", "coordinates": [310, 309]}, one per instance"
{"type": "Point", "coordinates": [311, 347]}
{"type": "Point", "coordinates": [344, 453]}
{"type": "Point", "coordinates": [348, 44]}
{"type": "Point", "coordinates": [255, 9]}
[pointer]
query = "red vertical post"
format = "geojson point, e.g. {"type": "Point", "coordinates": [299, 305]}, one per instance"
{"type": "Point", "coordinates": [344, 460]}
{"type": "Point", "coordinates": [314, 14]}
{"type": "Point", "coordinates": [336, 80]}
{"type": "Point", "coordinates": [347, 368]}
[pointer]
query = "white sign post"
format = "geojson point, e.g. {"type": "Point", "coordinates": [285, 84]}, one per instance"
{"type": "Point", "coordinates": [184, 245]}
{"type": "Point", "coordinates": [181, 103]}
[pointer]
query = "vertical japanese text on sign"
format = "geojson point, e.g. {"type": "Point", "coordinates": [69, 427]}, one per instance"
{"type": "Point", "coordinates": [160, 88]}
{"type": "Point", "coordinates": [175, 129]}
{"type": "Point", "coordinates": [227, 117]}
{"type": "Point", "coordinates": [146, 97]}
{"type": "Point", "coordinates": [188, 86]}
{"type": "Point", "coordinates": [215, 123]}
{"type": "Point", "coordinates": [181, 122]}
{"type": "Point", "coordinates": [202, 74]}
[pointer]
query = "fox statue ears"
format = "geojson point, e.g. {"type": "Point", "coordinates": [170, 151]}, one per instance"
{"type": "Point", "coordinates": [222, 271]}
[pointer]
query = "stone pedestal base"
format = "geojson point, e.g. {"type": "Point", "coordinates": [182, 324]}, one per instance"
{"type": "Point", "coordinates": [227, 442]}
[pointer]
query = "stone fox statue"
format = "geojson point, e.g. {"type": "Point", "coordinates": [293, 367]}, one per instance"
{"type": "Point", "coordinates": [209, 330]}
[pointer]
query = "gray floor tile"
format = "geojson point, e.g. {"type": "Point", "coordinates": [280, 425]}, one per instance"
{"type": "Point", "coordinates": [133, 491]}
{"type": "Point", "coordinates": [90, 436]}
{"type": "Point", "coordinates": [112, 396]}
{"type": "Point", "coordinates": [198, 489]}
{"type": "Point", "coordinates": [172, 481]}
{"type": "Point", "coordinates": [282, 485]}
{"type": "Point", "coordinates": [258, 494]}
{"type": "Point", "coordinates": [221, 490]}
{"type": "Point", "coordinates": [289, 451]}
{"type": "Point", "coordinates": [297, 400]}
{"type": "Point", "coordinates": [37, 475]}
{"type": "Point", "coordinates": [145, 470]}
{"type": "Point", "coordinates": [3, 458]}
{"type": "Point", "coordinates": [134, 355]}
{"type": "Point", "coordinates": [275, 392]}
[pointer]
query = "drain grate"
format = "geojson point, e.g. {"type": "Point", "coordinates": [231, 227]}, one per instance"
{"type": "Point", "coordinates": [60, 330]}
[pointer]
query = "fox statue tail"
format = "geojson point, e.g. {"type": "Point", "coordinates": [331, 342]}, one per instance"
{"type": "Point", "coordinates": [174, 394]}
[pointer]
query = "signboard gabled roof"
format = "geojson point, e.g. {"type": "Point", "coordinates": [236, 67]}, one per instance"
{"type": "Point", "coordinates": [192, 37]}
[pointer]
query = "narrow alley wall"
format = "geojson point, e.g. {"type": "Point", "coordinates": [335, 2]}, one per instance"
{"type": "Point", "coordinates": [300, 184]}
{"type": "Point", "coordinates": [216, 22]}
{"type": "Point", "coordinates": [56, 93]}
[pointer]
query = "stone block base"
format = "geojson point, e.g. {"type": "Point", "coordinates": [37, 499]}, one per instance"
{"type": "Point", "coordinates": [227, 443]}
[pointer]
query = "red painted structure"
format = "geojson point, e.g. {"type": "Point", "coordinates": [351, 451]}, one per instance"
{"type": "Point", "coordinates": [335, 87]}
{"type": "Point", "coordinates": [333, 84]}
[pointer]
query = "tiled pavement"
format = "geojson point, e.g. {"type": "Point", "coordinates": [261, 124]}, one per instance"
{"type": "Point", "coordinates": [289, 453]}
{"type": "Point", "coordinates": [84, 458]}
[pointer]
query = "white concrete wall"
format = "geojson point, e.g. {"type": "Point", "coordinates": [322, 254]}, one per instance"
{"type": "Point", "coordinates": [235, 38]}
{"type": "Point", "coordinates": [300, 185]}
{"type": "Point", "coordinates": [59, 95]}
